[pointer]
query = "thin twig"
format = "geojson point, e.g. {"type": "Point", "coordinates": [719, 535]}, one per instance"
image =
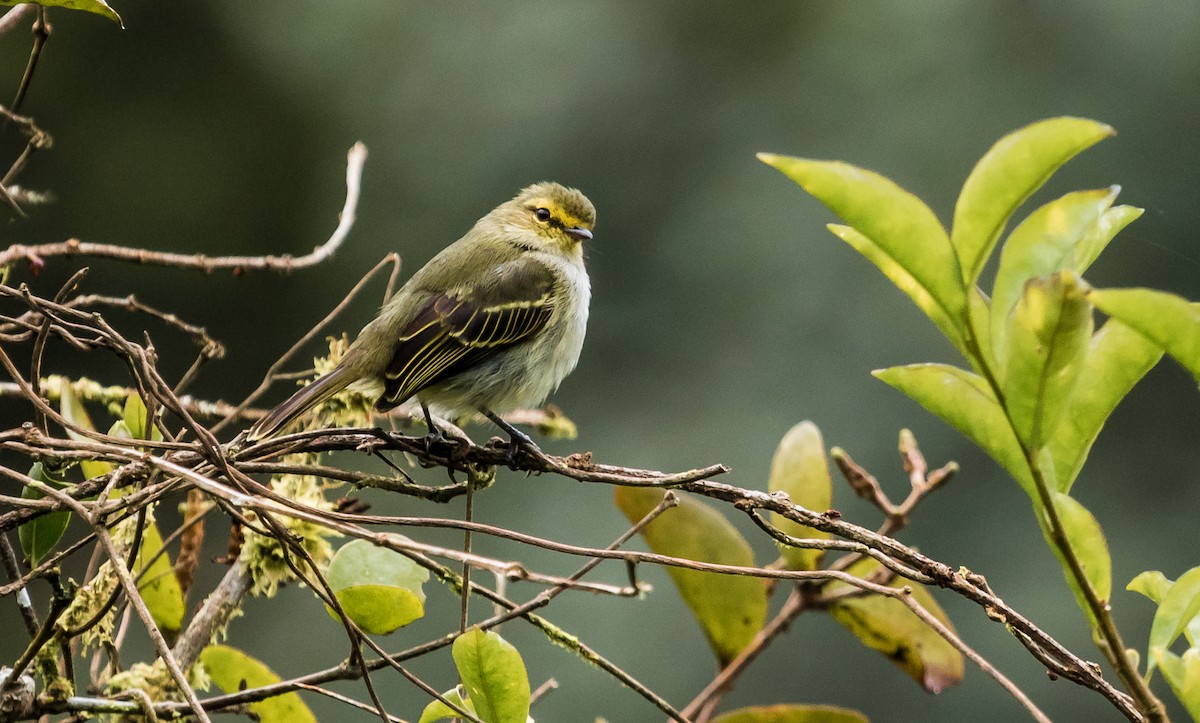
{"type": "Point", "coordinates": [203, 262]}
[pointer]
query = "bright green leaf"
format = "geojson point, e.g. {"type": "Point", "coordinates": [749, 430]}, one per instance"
{"type": "Point", "coordinates": [1090, 548]}
{"type": "Point", "coordinates": [158, 585]}
{"type": "Point", "coordinates": [1093, 243]}
{"type": "Point", "coordinates": [494, 675]}
{"type": "Point", "coordinates": [895, 221]}
{"type": "Point", "coordinates": [380, 589]}
{"type": "Point", "coordinates": [1151, 583]}
{"type": "Point", "coordinates": [964, 401]}
{"type": "Point", "coordinates": [379, 609]}
{"type": "Point", "coordinates": [731, 609]}
{"type": "Point", "coordinates": [888, 626]}
{"type": "Point", "coordinates": [1116, 359]}
{"type": "Point", "coordinates": [75, 413]}
{"type": "Point", "coordinates": [1043, 244]}
{"type": "Point", "coordinates": [1047, 338]}
{"type": "Point", "coordinates": [979, 313]}
{"type": "Point", "coordinates": [792, 713]}
{"type": "Point", "coordinates": [134, 416]}
{"type": "Point", "coordinates": [39, 535]}
{"type": "Point", "coordinates": [903, 280]}
{"type": "Point", "coordinates": [1168, 320]}
{"type": "Point", "coordinates": [799, 468]}
{"type": "Point", "coordinates": [437, 710]}
{"type": "Point", "coordinates": [1016, 166]}
{"type": "Point", "coordinates": [232, 671]}
{"type": "Point", "coordinates": [1179, 607]}
{"type": "Point", "coordinates": [99, 7]}
{"type": "Point", "coordinates": [1183, 675]}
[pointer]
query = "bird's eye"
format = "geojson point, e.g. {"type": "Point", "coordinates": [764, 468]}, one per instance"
{"type": "Point", "coordinates": [543, 214]}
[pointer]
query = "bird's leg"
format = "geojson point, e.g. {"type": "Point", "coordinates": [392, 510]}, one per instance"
{"type": "Point", "coordinates": [434, 435]}
{"type": "Point", "coordinates": [517, 438]}
{"type": "Point", "coordinates": [456, 440]}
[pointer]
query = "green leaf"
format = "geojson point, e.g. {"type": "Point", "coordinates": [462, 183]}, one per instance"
{"type": "Point", "coordinates": [979, 313]}
{"type": "Point", "coordinates": [99, 7]}
{"type": "Point", "coordinates": [1117, 358]}
{"type": "Point", "coordinates": [964, 401]}
{"type": "Point", "coordinates": [232, 671]}
{"type": "Point", "coordinates": [1183, 675]}
{"type": "Point", "coordinates": [1043, 244]}
{"type": "Point", "coordinates": [75, 413]}
{"type": "Point", "coordinates": [1016, 166]}
{"type": "Point", "coordinates": [1091, 550]}
{"type": "Point", "coordinates": [494, 675]}
{"type": "Point", "coordinates": [1048, 334]}
{"type": "Point", "coordinates": [731, 609]}
{"type": "Point", "coordinates": [1093, 243]}
{"type": "Point", "coordinates": [437, 710]}
{"type": "Point", "coordinates": [896, 222]}
{"type": "Point", "coordinates": [888, 626]}
{"type": "Point", "coordinates": [792, 713]}
{"type": "Point", "coordinates": [1168, 320]}
{"type": "Point", "coordinates": [903, 280]}
{"type": "Point", "coordinates": [380, 589]}
{"type": "Point", "coordinates": [158, 585]}
{"type": "Point", "coordinates": [1151, 583]}
{"type": "Point", "coordinates": [134, 415]}
{"type": "Point", "coordinates": [1179, 607]}
{"type": "Point", "coordinates": [799, 468]}
{"type": "Point", "coordinates": [39, 536]}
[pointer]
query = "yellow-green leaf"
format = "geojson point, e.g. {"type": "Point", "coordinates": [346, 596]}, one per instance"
{"type": "Point", "coordinates": [158, 585]}
{"type": "Point", "coordinates": [1093, 243]}
{"type": "Point", "coordinates": [1183, 675]}
{"type": "Point", "coordinates": [1151, 583]}
{"type": "Point", "coordinates": [380, 589]}
{"type": "Point", "coordinates": [888, 626]}
{"type": "Point", "coordinates": [1090, 548]}
{"type": "Point", "coordinates": [494, 675]}
{"type": "Point", "coordinates": [39, 535]}
{"type": "Point", "coordinates": [799, 468]}
{"type": "Point", "coordinates": [1016, 166]}
{"type": "Point", "coordinates": [98, 7]}
{"type": "Point", "coordinates": [1179, 607]}
{"type": "Point", "coordinates": [1043, 244]}
{"type": "Point", "coordinates": [964, 401]}
{"type": "Point", "coordinates": [1117, 358]}
{"type": "Point", "coordinates": [135, 415]}
{"type": "Point", "coordinates": [731, 609]}
{"type": "Point", "coordinates": [895, 221]}
{"type": "Point", "coordinates": [792, 713]}
{"type": "Point", "coordinates": [75, 413]}
{"type": "Point", "coordinates": [437, 710]}
{"type": "Point", "coordinates": [1168, 320]}
{"type": "Point", "coordinates": [232, 671]}
{"type": "Point", "coordinates": [1047, 338]}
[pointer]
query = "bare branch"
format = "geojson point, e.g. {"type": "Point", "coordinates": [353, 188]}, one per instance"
{"type": "Point", "coordinates": [356, 157]}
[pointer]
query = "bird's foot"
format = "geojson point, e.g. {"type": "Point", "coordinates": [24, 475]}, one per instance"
{"type": "Point", "coordinates": [518, 441]}
{"type": "Point", "coordinates": [437, 443]}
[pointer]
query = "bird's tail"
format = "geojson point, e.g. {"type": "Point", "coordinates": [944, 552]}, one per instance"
{"type": "Point", "coordinates": [303, 400]}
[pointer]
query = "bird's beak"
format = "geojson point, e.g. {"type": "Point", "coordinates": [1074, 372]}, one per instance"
{"type": "Point", "coordinates": [580, 233]}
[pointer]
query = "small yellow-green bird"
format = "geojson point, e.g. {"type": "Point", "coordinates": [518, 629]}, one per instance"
{"type": "Point", "coordinates": [492, 323]}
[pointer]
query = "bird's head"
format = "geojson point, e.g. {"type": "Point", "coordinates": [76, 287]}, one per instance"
{"type": "Point", "coordinates": [549, 217]}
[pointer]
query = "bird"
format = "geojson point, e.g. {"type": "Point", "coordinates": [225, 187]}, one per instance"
{"type": "Point", "coordinates": [492, 323]}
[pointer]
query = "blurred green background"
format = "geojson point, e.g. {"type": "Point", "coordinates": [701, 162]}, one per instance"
{"type": "Point", "coordinates": [723, 311]}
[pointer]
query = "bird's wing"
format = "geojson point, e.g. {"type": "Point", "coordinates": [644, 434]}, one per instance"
{"type": "Point", "coordinates": [456, 330]}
